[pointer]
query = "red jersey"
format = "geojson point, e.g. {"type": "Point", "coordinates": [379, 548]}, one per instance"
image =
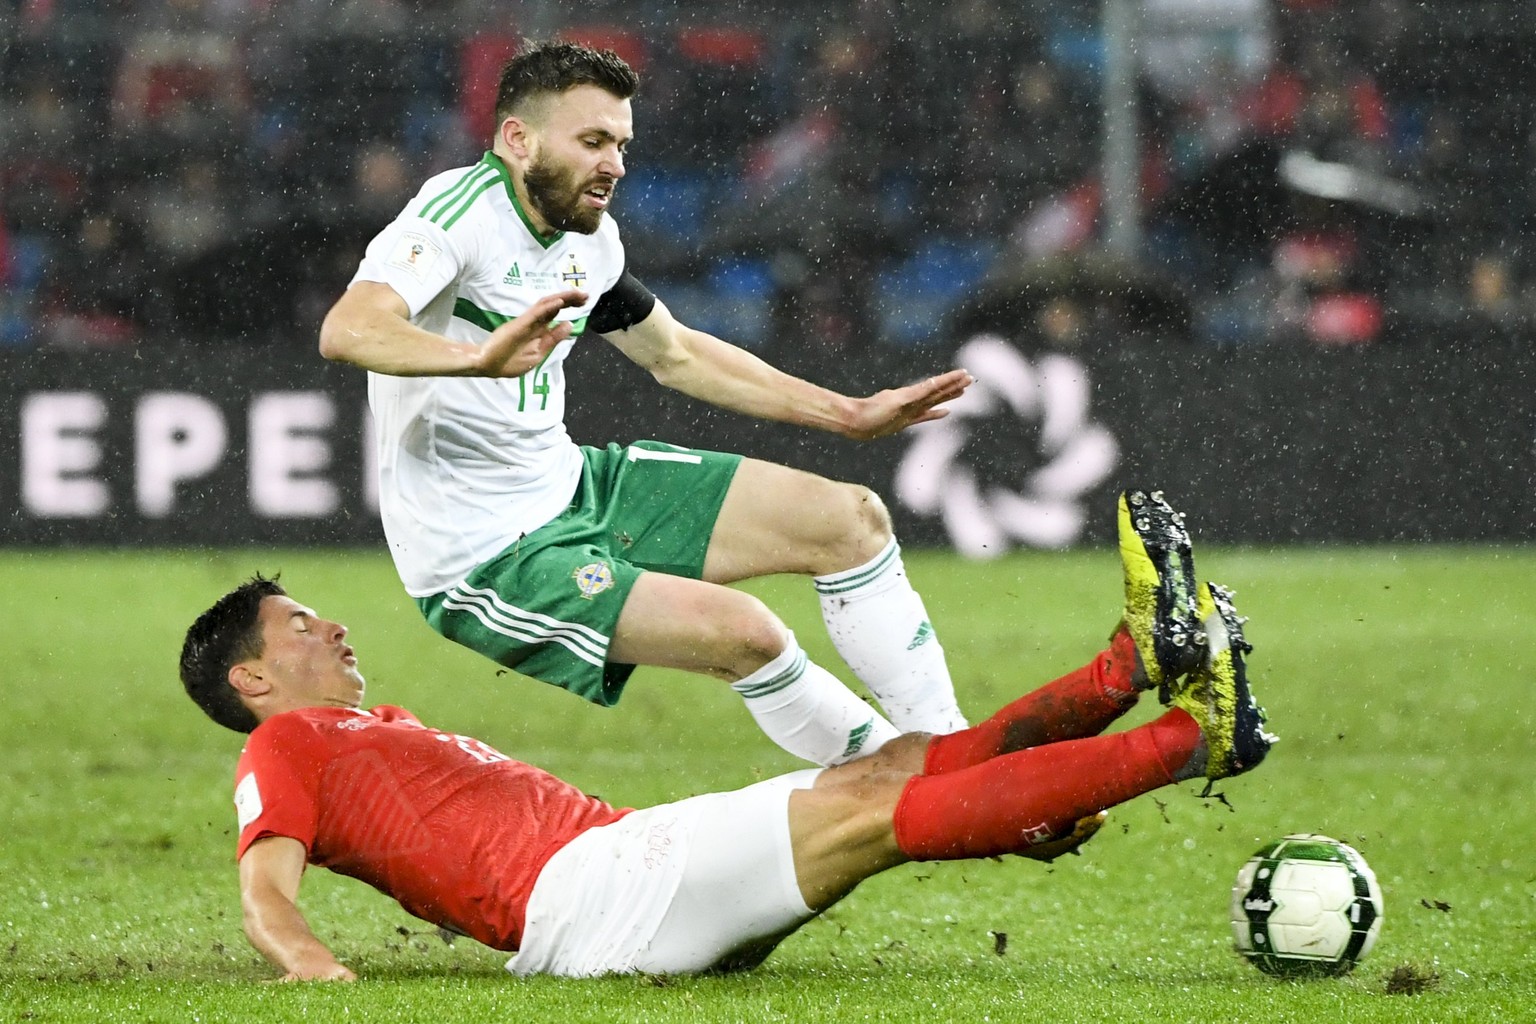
{"type": "Point", "coordinates": [449, 827]}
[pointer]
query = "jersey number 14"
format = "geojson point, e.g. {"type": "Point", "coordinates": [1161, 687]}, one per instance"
{"type": "Point", "coordinates": [539, 389]}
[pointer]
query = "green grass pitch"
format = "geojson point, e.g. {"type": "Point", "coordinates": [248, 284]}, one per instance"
{"type": "Point", "coordinates": [1400, 681]}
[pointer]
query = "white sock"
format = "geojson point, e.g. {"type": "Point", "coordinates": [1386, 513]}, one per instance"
{"type": "Point", "coordinates": [880, 627]}
{"type": "Point", "coordinates": [807, 711]}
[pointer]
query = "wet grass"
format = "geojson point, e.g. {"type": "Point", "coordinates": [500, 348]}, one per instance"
{"type": "Point", "coordinates": [1399, 680]}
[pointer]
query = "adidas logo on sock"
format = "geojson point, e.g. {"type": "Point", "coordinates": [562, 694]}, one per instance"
{"type": "Point", "coordinates": [924, 634]}
{"type": "Point", "coordinates": [856, 738]}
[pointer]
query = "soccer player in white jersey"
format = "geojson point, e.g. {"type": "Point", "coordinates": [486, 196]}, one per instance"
{"type": "Point", "coordinates": [575, 564]}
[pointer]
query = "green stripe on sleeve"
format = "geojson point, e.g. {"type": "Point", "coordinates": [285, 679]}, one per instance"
{"type": "Point", "coordinates": [468, 202]}
{"type": "Point", "coordinates": [459, 188]}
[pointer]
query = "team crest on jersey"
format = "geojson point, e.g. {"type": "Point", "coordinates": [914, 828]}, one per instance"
{"type": "Point", "coordinates": [573, 275]}
{"type": "Point", "coordinates": [593, 579]}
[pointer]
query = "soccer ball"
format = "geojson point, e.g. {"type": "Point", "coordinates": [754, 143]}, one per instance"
{"type": "Point", "coordinates": [1306, 905]}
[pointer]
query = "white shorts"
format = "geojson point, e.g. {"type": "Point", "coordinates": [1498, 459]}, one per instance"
{"type": "Point", "coordinates": [675, 889]}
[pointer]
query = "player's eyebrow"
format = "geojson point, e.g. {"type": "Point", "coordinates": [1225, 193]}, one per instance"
{"type": "Point", "coordinates": [605, 134]}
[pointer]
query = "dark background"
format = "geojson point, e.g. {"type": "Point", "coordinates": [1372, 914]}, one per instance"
{"type": "Point", "coordinates": [1423, 442]}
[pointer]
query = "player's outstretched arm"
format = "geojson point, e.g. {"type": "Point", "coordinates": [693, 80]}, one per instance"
{"type": "Point", "coordinates": [896, 409]}
{"type": "Point", "coordinates": [704, 367]}
{"type": "Point", "coordinates": [270, 872]}
{"type": "Point", "coordinates": [370, 327]}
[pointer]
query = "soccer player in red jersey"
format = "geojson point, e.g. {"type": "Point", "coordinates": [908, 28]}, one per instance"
{"type": "Point", "coordinates": [478, 843]}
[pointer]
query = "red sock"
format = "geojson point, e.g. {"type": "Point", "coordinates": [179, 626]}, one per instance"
{"type": "Point", "coordinates": [1012, 802]}
{"type": "Point", "coordinates": [1079, 704]}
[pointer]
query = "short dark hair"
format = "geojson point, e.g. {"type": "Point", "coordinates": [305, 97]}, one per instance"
{"type": "Point", "coordinates": [221, 638]}
{"type": "Point", "coordinates": [547, 68]}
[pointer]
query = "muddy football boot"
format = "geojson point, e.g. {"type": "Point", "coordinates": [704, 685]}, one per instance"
{"type": "Point", "coordinates": [1216, 695]}
{"type": "Point", "coordinates": [1160, 590]}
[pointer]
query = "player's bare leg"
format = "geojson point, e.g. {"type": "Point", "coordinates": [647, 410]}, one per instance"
{"type": "Point", "coordinates": [840, 828]}
{"type": "Point", "coordinates": [776, 519]}
{"type": "Point", "coordinates": [673, 622]}
{"type": "Point", "coordinates": [781, 520]}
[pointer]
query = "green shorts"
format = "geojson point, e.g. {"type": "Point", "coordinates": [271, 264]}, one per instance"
{"type": "Point", "coordinates": [548, 604]}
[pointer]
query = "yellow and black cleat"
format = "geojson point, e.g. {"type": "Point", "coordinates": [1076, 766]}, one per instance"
{"type": "Point", "coordinates": [1217, 695]}
{"type": "Point", "coordinates": [1160, 589]}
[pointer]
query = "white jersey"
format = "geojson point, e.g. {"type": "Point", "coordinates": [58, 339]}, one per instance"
{"type": "Point", "coordinates": [469, 464]}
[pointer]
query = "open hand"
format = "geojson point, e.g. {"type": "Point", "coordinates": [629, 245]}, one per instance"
{"type": "Point", "coordinates": [896, 409]}
{"type": "Point", "coordinates": [519, 345]}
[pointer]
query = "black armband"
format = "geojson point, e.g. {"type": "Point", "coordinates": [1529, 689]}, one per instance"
{"type": "Point", "coordinates": [625, 304]}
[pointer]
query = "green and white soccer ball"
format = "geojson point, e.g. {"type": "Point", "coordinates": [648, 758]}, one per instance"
{"type": "Point", "coordinates": [1306, 905]}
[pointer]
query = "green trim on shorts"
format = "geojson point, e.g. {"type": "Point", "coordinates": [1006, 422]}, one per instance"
{"type": "Point", "coordinates": [547, 604]}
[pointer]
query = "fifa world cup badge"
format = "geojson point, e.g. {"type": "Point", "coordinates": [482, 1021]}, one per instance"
{"type": "Point", "coordinates": [593, 579]}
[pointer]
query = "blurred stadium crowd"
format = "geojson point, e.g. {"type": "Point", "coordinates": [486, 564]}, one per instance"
{"type": "Point", "coordinates": [807, 178]}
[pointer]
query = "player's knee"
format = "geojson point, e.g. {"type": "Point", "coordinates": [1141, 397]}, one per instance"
{"type": "Point", "coordinates": [877, 787]}
{"type": "Point", "coordinates": [861, 796]}
{"type": "Point", "coordinates": [753, 636]}
{"type": "Point", "coordinates": [872, 515]}
{"type": "Point", "coordinates": [864, 527]}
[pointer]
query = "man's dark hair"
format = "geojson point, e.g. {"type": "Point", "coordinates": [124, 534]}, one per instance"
{"type": "Point", "coordinates": [222, 637]}
{"type": "Point", "coordinates": [549, 68]}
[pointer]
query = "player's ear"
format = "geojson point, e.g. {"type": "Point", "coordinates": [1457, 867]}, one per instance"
{"type": "Point", "coordinates": [248, 681]}
{"type": "Point", "coordinates": [517, 135]}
